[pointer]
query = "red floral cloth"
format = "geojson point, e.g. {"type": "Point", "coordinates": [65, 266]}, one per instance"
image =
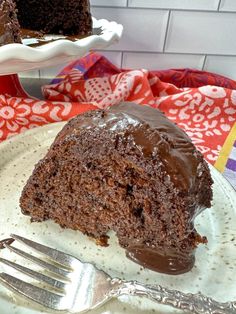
{"type": "Point", "coordinates": [203, 104]}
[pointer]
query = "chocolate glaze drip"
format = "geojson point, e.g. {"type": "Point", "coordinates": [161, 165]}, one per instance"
{"type": "Point", "coordinates": [41, 38]}
{"type": "Point", "coordinates": [29, 33]}
{"type": "Point", "coordinates": [169, 262]}
{"type": "Point", "coordinates": [169, 142]}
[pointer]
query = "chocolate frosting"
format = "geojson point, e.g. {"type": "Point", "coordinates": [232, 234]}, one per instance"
{"type": "Point", "coordinates": [169, 262]}
{"type": "Point", "coordinates": [153, 134]}
{"type": "Point", "coordinates": [169, 142]}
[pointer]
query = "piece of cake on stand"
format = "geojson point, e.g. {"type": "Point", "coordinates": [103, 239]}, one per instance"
{"type": "Point", "coordinates": [27, 47]}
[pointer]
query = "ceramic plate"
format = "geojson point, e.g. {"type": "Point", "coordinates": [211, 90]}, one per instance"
{"type": "Point", "coordinates": [16, 58]}
{"type": "Point", "coordinates": [214, 271]}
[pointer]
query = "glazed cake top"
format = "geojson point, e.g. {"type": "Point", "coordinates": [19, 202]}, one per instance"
{"type": "Point", "coordinates": [151, 132]}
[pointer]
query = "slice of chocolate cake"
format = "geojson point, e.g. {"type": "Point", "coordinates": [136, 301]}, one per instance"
{"type": "Point", "coordinates": [67, 17]}
{"type": "Point", "coordinates": [9, 26]}
{"type": "Point", "coordinates": [131, 170]}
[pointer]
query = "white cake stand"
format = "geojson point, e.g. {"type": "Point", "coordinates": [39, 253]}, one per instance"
{"type": "Point", "coordinates": [15, 58]}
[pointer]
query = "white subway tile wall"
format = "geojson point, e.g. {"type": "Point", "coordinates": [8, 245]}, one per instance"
{"type": "Point", "coordinates": [109, 3]}
{"type": "Point", "coordinates": [228, 5]}
{"type": "Point", "coordinates": [113, 56]}
{"type": "Point", "coordinates": [161, 61]}
{"type": "Point", "coordinates": [162, 34]}
{"type": "Point", "coordinates": [51, 71]}
{"type": "Point", "coordinates": [223, 65]}
{"type": "Point", "coordinates": [201, 32]}
{"type": "Point", "coordinates": [30, 74]}
{"type": "Point", "coordinates": [144, 31]}
{"type": "Point", "coordinates": [176, 4]}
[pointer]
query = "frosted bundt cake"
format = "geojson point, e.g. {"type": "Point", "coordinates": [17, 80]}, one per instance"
{"type": "Point", "coordinates": [127, 169]}
{"type": "Point", "coordinates": [67, 17]}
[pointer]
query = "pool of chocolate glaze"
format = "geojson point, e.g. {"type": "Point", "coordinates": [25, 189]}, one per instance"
{"type": "Point", "coordinates": [170, 262]}
{"type": "Point", "coordinates": [42, 40]}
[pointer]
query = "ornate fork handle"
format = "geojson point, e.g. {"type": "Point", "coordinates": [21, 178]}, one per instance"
{"type": "Point", "coordinates": [194, 303]}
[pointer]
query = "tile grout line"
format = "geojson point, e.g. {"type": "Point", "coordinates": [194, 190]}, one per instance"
{"type": "Point", "coordinates": [167, 30]}
{"type": "Point", "coordinates": [204, 62]}
{"type": "Point", "coordinates": [164, 9]}
{"type": "Point", "coordinates": [170, 53]}
{"type": "Point", "coordinates": [121, 59]}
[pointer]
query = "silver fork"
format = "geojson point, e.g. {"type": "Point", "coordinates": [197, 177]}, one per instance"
{"type": "Point", "coordinates": [77, 287]}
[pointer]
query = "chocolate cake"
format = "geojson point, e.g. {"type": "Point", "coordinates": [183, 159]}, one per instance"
{"type": "Point", "coordinates": [9, 26]}
{"type": "Point", "coordinates": [67, 17]}
{"type": "Point", "coordinates": [127, 169]}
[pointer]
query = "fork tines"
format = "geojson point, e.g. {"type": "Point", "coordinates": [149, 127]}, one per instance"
{"type": "Point", "coordinates": [60, 268]}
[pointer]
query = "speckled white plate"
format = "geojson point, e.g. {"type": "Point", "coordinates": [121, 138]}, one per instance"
{"type": "Point", "coordinates": [16, 58]}
{"type": "Point", "coordinates": [214, 271]}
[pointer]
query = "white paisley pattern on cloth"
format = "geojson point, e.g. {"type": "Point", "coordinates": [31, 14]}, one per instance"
{"type": "Point", "coordinates": [206, 114]}
{"type": "Point", "coordinates": [20, 114]}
